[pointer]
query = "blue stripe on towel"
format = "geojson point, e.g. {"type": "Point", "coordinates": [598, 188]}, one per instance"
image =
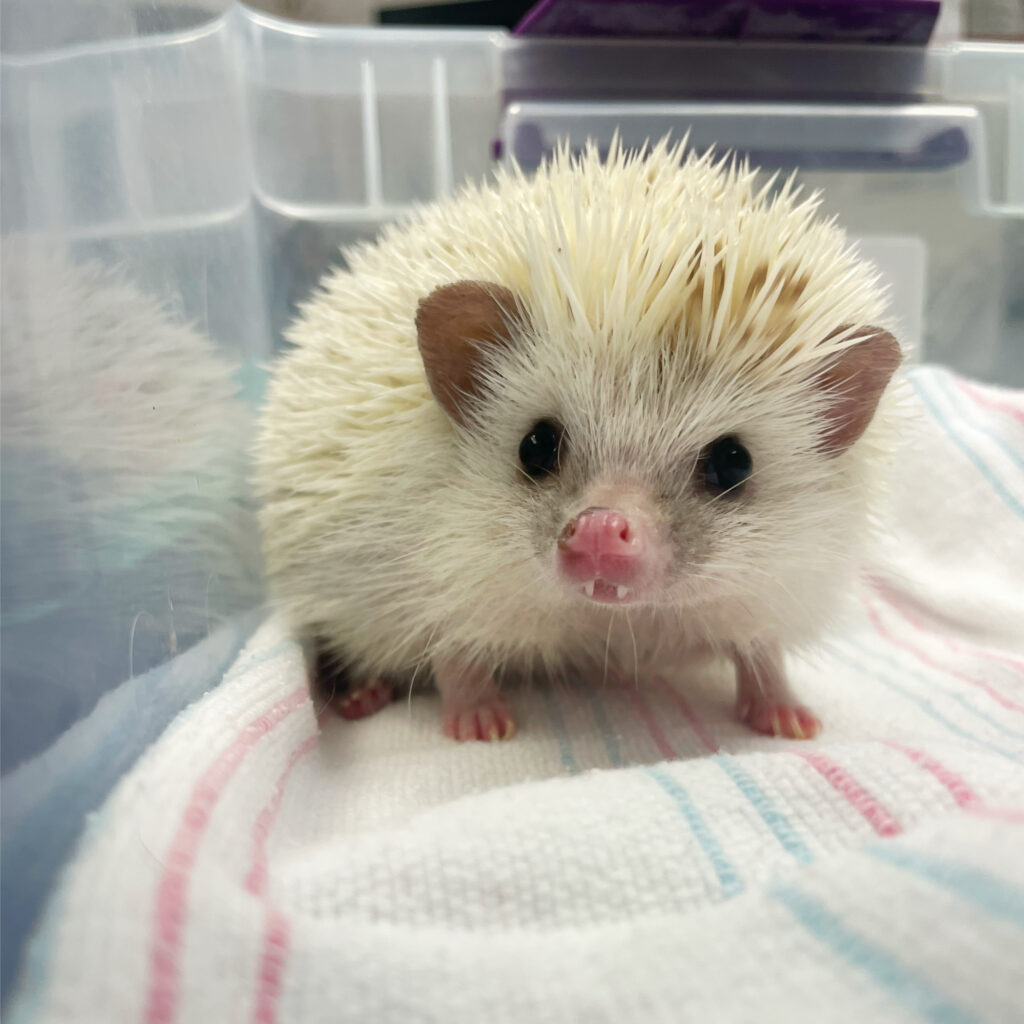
{"type": "Point", "coordinates": [920, 674]}
{"type": "Point", "coordinates": [770, 814]}
{"type": "Point", "coordinates": [558, 728]}
{"type": "Point", "coordinates": [965, 409]}
{"type": "Point", "coordinates": [923, 703]}
{"type": "Point", "coordinates": [967, 450]}
{"type": "Point", "coordinates": [964, 702]}
{"type": "Point", "coordinates": [728, 876]}
{"type": "Point", "coordinates": [913, 991]}
{"type": "Point", "coordinates": [992, 895]}
{"type": "Point", "coordinates": [611, 740]}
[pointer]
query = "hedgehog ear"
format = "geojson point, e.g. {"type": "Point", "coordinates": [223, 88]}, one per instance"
{"type": "Point", "coordinates": [853, 382]}
{"type": "Point", "coordinates": [455, 326]}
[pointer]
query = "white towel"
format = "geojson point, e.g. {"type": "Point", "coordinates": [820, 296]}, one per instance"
{"type": "Point", "coordinates": [632, 855]}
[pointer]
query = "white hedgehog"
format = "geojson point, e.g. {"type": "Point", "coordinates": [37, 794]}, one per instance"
{"type": "Point", "coordinates": [635, 407]}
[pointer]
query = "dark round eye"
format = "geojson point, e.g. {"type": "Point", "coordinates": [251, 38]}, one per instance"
{"type": "Point", "coordinates": [726, 465]}
{"type": "Point", "coordinates": [538, 451]}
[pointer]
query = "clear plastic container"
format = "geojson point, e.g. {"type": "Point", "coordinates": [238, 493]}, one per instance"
{"type": "Point", "coordinates": [351, 126]}
{"type": "Point", "coordinates": [918, 153]}
{"type": "Point", "coordinates": [176, 178]}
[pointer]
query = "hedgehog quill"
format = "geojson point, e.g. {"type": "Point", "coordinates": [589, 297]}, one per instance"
{"type": "Point", "coordinates": [632, 408]}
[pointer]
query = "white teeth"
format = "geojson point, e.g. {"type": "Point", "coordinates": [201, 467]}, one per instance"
{"type": "Point", "coordinates": [621, 592]}
{"type": "Point", "coordinates": [588, 588]}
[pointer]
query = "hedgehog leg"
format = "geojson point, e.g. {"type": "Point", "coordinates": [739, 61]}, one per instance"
{"type": "Point", "coordinates": [334, 687]}
{"type": "Point", "coordinates": [764, 700]}
{"type": "Point", "coordinates": [471, 707]}
{"type": "Point", "coordinates": [365, 700]}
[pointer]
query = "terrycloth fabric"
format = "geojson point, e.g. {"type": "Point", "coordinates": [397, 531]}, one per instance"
{"type": "Point", "coordinates": [632, 855]}
{"type": "Point", "coordinates": [46, 799]}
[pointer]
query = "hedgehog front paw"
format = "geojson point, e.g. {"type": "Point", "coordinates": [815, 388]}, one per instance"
{"type": "Point", "coordinates": [791, 722]}
{"type": "Point", "coordinates": [763, 698]}
{"type": "Point", "coordinates": [471, 707]}
{"type": "Point", "coordinates": [489, 721]}
{"type": "Point", "coordinates": [365, 701]}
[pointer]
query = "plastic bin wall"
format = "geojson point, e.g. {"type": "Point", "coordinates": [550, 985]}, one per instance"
{"type": "Point", "coordinates": [175, 182]}
{"type": "Point", "coordinates": [133, 310]}
{"type": "Point", "coordinates": [917, 152]}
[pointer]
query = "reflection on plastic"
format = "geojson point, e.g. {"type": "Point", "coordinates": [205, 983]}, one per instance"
{"type": "Point", "coordinates": [127, 534]}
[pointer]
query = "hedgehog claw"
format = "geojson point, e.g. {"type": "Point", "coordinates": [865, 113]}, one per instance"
{"type": "Point", "coordinates": [488, 721]}
{"type": "Point", "coordinates": [365, 701]}
{"type": "Point", "coordinates": [782, 720]}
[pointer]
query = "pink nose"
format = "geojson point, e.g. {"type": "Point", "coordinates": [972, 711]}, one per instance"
{"type": "Point", "coordinates": [600, 543]}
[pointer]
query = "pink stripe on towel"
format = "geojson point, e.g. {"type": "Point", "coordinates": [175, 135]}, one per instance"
{"type": "Point", "coordinates": [987, 401]}
{"type": "Point", "coordinates": [692, 719]}
{"type": "Point", "coordinates": [965, 797]}
{"type": "Point", "coordinates": [876, 815]}
{"type": "Point", "coordinates": [256, 880]}
{"type": "Point", "coordinates": [276, 930]}
{"type": "Point", "coordinates": [856, 795]}
{"type": "Point", "coordinates": [901, 604]}
{"type": "Point", "coordinates": [644, 713]}
{"type": "Point", "coordinates": [957, 788]}
{"type": "Point", "coordinates": [275, 953]}
{"type": "Point", "coordinates": [926, 659]}
{"type": "Point", "coordinates": [172, 891]}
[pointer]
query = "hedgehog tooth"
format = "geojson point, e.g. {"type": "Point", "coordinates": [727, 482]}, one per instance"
{"type": "Point", "coordinates": [621, 592]}
{"type": "Point", "coordinates": [588, 588]}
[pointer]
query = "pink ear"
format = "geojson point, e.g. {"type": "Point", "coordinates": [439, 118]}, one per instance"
{"type": "Point", "coordinates": [854, 382]}
{"type": "Point", "coordinates": [454, 326]}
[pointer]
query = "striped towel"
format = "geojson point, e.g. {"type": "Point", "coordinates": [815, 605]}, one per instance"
{"type": "Point", "coordinates": [633, 855]}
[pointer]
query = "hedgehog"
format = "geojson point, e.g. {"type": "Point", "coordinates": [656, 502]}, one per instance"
{"type": "Point", "coordinates": [631, 410]}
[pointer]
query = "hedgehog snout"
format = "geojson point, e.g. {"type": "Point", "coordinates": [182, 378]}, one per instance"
{"type": "Point", "coordinates": [605, 555]}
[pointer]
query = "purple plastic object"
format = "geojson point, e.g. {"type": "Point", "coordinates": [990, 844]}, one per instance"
{"type": "Point", "coordinates": [902, 22]}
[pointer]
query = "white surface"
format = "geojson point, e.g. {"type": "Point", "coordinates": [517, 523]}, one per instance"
{"type": "Point", "coordinates": [628, 856]}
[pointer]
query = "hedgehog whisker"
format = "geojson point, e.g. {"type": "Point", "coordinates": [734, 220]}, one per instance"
{"type": "Point", "coordinates": [607, 647]}
{"type": "Point", "coordinates": [636, 656]}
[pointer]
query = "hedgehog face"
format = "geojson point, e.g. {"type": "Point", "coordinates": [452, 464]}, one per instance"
{"type": "Point", "coordinates": [690, 494]}
{"type": "Point", "coordinates": [617, 494]}
{"type": "Point", "coordinates": [637, 476]}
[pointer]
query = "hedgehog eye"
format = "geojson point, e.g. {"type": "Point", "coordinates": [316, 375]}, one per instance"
{"type": "Point", "coordinates": [725, 465]}
{"type": "Point", "coordinates": [539, 449]}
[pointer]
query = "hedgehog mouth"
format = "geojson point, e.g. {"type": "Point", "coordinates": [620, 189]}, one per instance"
{"type": "Point", "coordinates": [602, 592]}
